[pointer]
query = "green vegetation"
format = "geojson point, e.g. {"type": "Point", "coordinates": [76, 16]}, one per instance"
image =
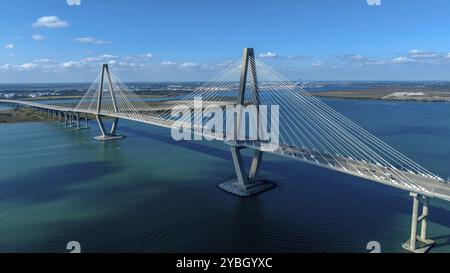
{"type": "Point", "coordinates": [19, 115]}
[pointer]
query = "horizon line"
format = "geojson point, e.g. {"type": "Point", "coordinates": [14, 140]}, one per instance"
{"type": "Point", "coordinates": [201, 81]}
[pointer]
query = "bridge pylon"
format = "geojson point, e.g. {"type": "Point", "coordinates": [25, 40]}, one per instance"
{"type": "Point", "coordinates": [247, 183]}
{"type": "Point", "coordinates": [419, 243]}
{"type": "Point", "coordinates": [105, 134]}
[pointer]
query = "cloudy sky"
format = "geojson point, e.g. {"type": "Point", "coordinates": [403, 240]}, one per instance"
{"type": "Point", "coordinates": [178, 40]}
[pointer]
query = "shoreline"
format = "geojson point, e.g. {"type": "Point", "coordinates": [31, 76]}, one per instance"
{"type": "Point", "coordinates": [23, 115]}
{"type": "Point", "coordinates": [385, 95]}
{"type": "Point", "coordinates": [381, 99]}
{"type": "Point", "coordinates": [19, 115]}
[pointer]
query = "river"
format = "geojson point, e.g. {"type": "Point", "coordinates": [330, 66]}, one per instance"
{"type": "Point", "coordinates": [149, 193]}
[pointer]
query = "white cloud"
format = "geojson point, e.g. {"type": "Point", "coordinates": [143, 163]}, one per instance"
{"type": "Point", "coordinates": [91, 40]}
{"type": "Point", "coordinates": [73, 2]}
{"type": "Point", "coordinates": [91, 59]}
{"type": "Point", "coordinates": [168, 63]}
{"type": "Point", "coordinates": [418, 56]}
{"type": "Point", "coordinates": [317, 64]}
{"type": "Point", "coordinates": [297, 57]}
{"type": "Point", "coordinates": [130, 65]}
{"type": "Point", "coordinates": [38, 37]}
{"type": "Point", "coordinates": [42, 61]}
{"type": "Point", "coordinates": [374, 2]}
{"type": "Point", "coordinates": [423, 54]}
{"type": "Point", "coordinates": [9, 46]}
{"type": "Point", "coordinates": [268, 55]}
{"type": "Point", "coordinates": [148, 55]}
{"type": "Point", "coordinates": [401, 60]}
{"type": "Point", "coordinates": [28, 66]}
{"type": "Point", "coordinates": [101, 58]}
{"type": "Point", "coordinates": [5, 66]}
{"type": "Point", "coordinates": [361, 60]}
{"type": "Point", "coordinates": [355, 57]}
{"type": "Point", "coordinates": [70, 64]}
{"type": "Point", "coordinates": [181, 65]}
{"type": "Point", "coordinates": [188, 65]}
{"type": "Point", "coordinates": [91, 64]}
{"type": "Point", "coordinates": [50, 22]}
{"type": "Point", "coordinates": [108, 56]}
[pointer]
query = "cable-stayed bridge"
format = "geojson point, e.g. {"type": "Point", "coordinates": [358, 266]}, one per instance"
{"type": "Point", "coordinates": [307, 130]}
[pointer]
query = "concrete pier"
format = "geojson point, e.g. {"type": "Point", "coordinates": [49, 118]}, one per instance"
{"type": "Point", "coordinates": [419, 244]}
{"type": "Point", "coordinates": [78, 120]}
{"type": "Point", "coordinates": [105, 136]}
{"type": "Point", "coordinates": [246, 184]}
{"type": "Point", "coordinates": [71, 120]}
{"type": "Point", "coordinates": [86, 120]}
{"type": "Point", "coordinates": [256, 187]}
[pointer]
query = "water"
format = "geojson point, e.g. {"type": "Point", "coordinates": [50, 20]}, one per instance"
{"type": "Point", "coordinates": [5, 107]}
{"type": "Point", "coordinates": [148, 193]}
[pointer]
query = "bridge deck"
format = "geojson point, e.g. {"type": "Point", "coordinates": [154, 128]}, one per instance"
{"type": "Point", "coordinates": [388, 175]}
{"type": "Point", "coordinates": [391, 176]}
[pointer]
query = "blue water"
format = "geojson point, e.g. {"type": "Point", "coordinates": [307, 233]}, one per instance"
{"type": "Point", "coordinates": [5, 107]}
{"type": "Point", "coordinates": [148, 193]}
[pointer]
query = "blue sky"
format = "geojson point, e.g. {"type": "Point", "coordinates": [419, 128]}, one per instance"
{"type": "Point", "coordinates": [178, 40]}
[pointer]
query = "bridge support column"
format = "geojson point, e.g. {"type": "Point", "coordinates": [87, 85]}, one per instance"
{"type": "Point", "coordinates": [419, 244]}
{"type": "Point", "coordinates": [78, 120]}
{"type": "Point", "coordinates": [246, 184]}
{"type": "Point", "coordinates": [71, 120]}
{"type": "Point", "coordinates": [105, 136]}
{"type": "Point", "coordinates": [86, 120]}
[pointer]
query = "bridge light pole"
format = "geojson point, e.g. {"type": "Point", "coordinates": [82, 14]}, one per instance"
{"type": "Point", "coordinates": [246, 184]}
